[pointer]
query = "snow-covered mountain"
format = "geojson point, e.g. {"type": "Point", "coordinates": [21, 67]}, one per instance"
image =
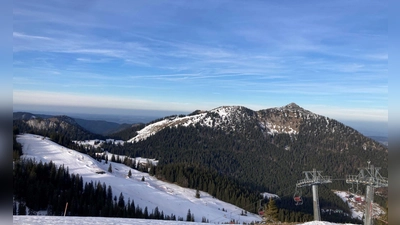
{"type": "Point", "coordinates": [288, 140]}
{"type": "Point", "coordinates": [225, 117]}
{"type": "Point", "coordinates": [232, 118]}
{"type": "Point", "coordinates": [170, 198]}
{"type": "Point", "coordinates": [290, 119]}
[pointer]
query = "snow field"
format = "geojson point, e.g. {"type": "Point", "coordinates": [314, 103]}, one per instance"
{"type": "Point", "coordinates": [169, 198]}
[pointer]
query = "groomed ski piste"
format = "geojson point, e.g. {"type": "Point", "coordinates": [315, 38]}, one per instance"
{"type": "Point", "coordinates": [169, 198]}
{"type": "Point", "coordinates": [59, 220]}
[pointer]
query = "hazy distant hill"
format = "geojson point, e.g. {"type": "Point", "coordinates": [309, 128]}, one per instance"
{"type": "Point", "coordinates": [28, 116]}
{"type": "Point", "coordinates": [100, 126]}
{"type": "Point", "coordinates": [60, 126]}
{"type": "Point", "coordinates": [95, 126]}
{"type": "Point", "coordinates": [381, 139]}
{"type": "Point", "coordinates": [126, 132]}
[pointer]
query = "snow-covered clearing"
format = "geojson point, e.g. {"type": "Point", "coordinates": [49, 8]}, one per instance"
{"type": "Point", "coordinates": [169, 198]}
{"type": "Point", "coordinates": [138, 160]}
{"type": "Point", "coordinates": [58, 220]}
{"type": "Point", "coordinates": [269, 195]}
{"type": "Point", "coordinates": [96, 143]}
{"type": "Point", "coordinates": [356, 204]}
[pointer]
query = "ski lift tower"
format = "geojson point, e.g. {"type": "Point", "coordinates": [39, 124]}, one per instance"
{"type": "Point", "coordinates": [313, 179]}
{"type": "Point", "coordinates": [371, 177]}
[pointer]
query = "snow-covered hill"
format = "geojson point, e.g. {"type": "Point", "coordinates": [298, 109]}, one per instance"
{"type": "Point", "coordinates": [231, 118]}
{"type": "Point", "coordinates": [221, 117]}
{"type": "Point", "coordinates": [357, 205]}
{"type": "Point", "coordinates": [290, 119]}
{"type": "Point", "coordinates": [56, 220]}
{"type": "Point", "coordinates": [152, 193]}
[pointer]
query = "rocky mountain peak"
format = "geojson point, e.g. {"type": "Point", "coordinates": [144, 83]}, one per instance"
{"type": "Point", "coordinates": [292, 106]}
{"type": "Point", "coordinates": [230, 111]}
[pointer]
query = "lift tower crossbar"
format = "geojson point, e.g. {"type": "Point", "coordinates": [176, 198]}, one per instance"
{"type": "Point", "coordinates": [370, 177]}
{"type": "Point", "coordinates": [313, 179]}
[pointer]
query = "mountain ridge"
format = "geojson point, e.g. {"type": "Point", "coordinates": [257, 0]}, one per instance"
{"type": "Point", "coordinates": [290, 119]}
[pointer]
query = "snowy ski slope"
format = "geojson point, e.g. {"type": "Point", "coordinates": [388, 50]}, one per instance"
{"type": "Point", "coordinates": [169, 198]}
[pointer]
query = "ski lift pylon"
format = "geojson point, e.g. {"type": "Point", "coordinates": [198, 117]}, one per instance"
{"type": "Point", "coordinates": [354, 192]}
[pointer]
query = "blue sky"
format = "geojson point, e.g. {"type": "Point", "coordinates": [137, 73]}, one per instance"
{"type": "Point", "coordinates": [330, 57]}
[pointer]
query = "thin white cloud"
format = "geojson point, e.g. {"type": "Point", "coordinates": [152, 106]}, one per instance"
{"type": "Point", "coordinates": [25, 36]}
{"type": "Point", "coordinates": [92, 60]}
{"type": "Point", "coordinates": [378, 56]}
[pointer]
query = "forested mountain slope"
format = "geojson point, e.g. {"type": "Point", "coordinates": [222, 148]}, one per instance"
{"type": "Point", "coordinates": [94, 126]}
{"type": "Point", "coordinates": [55, 127]}
{"type": "Point", "coordinates": [264, 150]}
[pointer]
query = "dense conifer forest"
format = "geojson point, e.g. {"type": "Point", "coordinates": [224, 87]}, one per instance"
{"type": "Point", "coordinates": [248, 164]}
{"type": "Point", "coordinates": [261, 163]}
{"type": "Point", "coordinates": [44, 187]}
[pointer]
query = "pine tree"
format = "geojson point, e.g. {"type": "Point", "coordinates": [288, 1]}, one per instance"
{"type": "Point", "coordinates": [14, 208]}
{"type": "Point", "coordinates": [130, 174]}
{"type": "Point", "coordinates": [21, 209]}
{"type": "Point", "coordinates": [157, 213]}
{"type": "Point", "coordinates": [110, 168]}
{"type": "Point", "coordinates": [121, 201]}
{"type": "Point", "coordinates": [142, 178]}
{"type": "Point", "coordinates": [109, 195]}
{"type": "Point", "coordinates": [197, 193]}
{"type": "Point", "coordinates": [272, 211]}
{"type": "Point", "coordinates": [188, 216]}
{"type": "Point", "coordinates": [146, 213]}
